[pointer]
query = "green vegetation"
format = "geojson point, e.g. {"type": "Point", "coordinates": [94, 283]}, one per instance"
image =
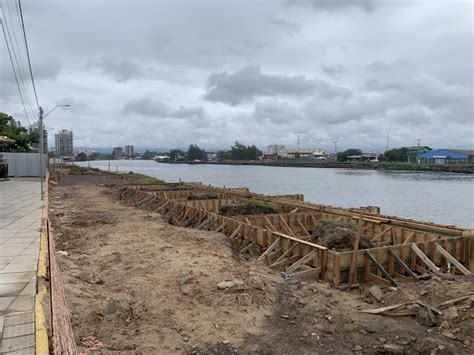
{"type": "Point", "coordinates": [342, 156]}
{"type": "Point", "coordinates": [12, 129]}
{"type": "Point", "coordinates": [331, 221]}
{"type": "Point", "coordinates": [195, 153]}
{"type": "Point", "coordinates": [263, 204]}
{"type": "Point", "coordinates": [396, 155]}
{"type": "Point", "coordinates": [144, 179]}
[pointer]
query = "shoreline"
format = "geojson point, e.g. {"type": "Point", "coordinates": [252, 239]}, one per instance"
{"type": "Point", "coordinates": [461, 169]}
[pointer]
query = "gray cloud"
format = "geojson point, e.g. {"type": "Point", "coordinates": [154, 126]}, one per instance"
{"type": "Point", "coordinates": [334, 71]}
{"type": "Point", "coordinates": [291, 28]}
{"type": "Point", "coordinates": [147, 106]}
{"type": "Point", "coordinates": [249, 81]}
{"type": "Point", "coordinates": [337, 5]}
{"type": "Point", "coordinates": [120, 69]}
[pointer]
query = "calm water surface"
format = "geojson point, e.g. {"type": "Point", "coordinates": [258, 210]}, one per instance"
{"type": "Point", "coordinates": [438, 197]}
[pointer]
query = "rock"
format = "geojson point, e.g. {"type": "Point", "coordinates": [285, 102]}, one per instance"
{"type": "Point", "coordinates": [244, 299]}
{"type": "Point", "coordinates": [285, 316]}
{"type": "Point", "coordinates": [444, 325]}
{"type": "Point", "coordinates": [393, 348]}
{"type": "Point", "coordinates": [185, 338]}
{"type": "Point", "coordinates": [449, 335]}
{"type": "Point", "coordinates": [185, 289]}
{"type": "Point", "coordinates": [357, 348]}
{"type": "Point", "coordinates": [328, 317]}
{"type": "Point", "coordinates": [62, 252]}
{"type": "Point", "coordinates": [467, 343]}
{"type": "Point", "coordinates": [426, 317]}
{"type": "Point", "coordinates": [382, 340]}
{"type": "Point", "coordinates": [376, 292]}
{"type": "Point", "coordinates": [110, 307]}
{"type": "Point", "coordinates": [423, 292]}
{"type": "Point", "coordinates": [229, 284]}
{"type": "Point", "coordinates": [450, 313]}
{"type": "Point", "coordinates": [94, 279]}
{"type": "Point", "coordinates": [441, 347]}
{"type": "Point", "coordinates": [376, 326]}
{"type": "Point", "coordinates": [425, 277]}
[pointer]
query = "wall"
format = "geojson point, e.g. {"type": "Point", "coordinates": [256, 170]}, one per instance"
{"type": "Point", "coordinates": [24, 164]}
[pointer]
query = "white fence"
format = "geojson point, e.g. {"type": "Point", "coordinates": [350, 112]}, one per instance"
{"type": "Point", "coordinates": [24, 164]}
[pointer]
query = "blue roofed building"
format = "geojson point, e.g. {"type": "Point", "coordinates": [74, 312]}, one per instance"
{"type": "Point", "coordinates": [447, 156]}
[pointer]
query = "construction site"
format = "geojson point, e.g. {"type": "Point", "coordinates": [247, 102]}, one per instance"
{"type": "Point", "coordinates": [159, 268]}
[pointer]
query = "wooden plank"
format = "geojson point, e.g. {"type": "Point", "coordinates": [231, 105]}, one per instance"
{"type": "Point", "coordinates": [453, 261]}
{"type": "Point", "coordinates": [305, 231]}
{"type": "Point", "coordinates": [287, 227]}
{"type": "Point", "coordinates": [285, 262]}
{"type": "Point", "coordinates": [380, 280]}
{"type": "Point", "coordinates": [424, 258]}
{"type": "Point", "coordinates": [355, 252]}
{"type": "Point", "coordinates": [244, 249]}
{"type": "Point", "coordinates": [337, 270]}
{"type": "Point", "coordinates": [402, 264]}
{"type": "Point", "coordinates": [269, 249]}
{"type": "Point", "coordinates": [409, 238]}
{"type": "Point", "coordinates": [236, 231]}
{"type": "Point", "coordinates": [302, 242]}
{"type": "Point", "coordinates": [287, 252]}
{"type": "Point", "coordinates": [384, 272]}
{"type": "Point", "coordinates": [381, 234]}
{"type": "Point", "coordinates": [302, 261]}
{"type": "Point", "coordinates": [270, 225]}
{"type": "Point", "coordinates": [316, 271]}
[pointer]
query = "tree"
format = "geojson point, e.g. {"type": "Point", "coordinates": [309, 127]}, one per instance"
{"type": "Point", "coordinates": [176, 154]}
{"type": "Point", "coordinates": [242, 152]}
{"type": "Point", "coordinates": [342, 156]}
{"type": "Point", "coordinates": [397, 154]}
{"type": "Point", "coordinates": [23, 140]}
{"type": "Point", "coordinates": [81, 156]}
{"type": "Point", "coordinates": [224, 155]}
{"type": "Point", "coordinates": [148, 155]}
{"type": "Point", "coordinates": [195, 153]}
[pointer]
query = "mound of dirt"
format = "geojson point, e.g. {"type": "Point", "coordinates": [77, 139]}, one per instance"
{"type": "Point", "coordinates": [202, 196]}
{"type": "Point", "coordinates": [245, 209]}
{"type": "Point", "coordinates": [338, 237]}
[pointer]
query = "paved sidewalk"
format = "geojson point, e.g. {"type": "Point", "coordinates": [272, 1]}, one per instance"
{"type": "Point", "coordinates": [20, 220]}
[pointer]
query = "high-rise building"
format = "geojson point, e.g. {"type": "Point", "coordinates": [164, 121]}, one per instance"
{"type": "Point", "coordinates": [35, 129]}
{"type": "Point", "coordinates": [128, 150]}
{"type": "Point", "coordinates": [117, 152]}
{"type": "Point", "coordinates": [63, 143]}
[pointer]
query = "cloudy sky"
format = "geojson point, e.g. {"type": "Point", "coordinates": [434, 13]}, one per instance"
{"type": "Point", "coordinates": [170, 73]}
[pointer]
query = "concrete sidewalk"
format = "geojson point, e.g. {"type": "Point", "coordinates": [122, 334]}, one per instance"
{"type": "Point", "coordinates": [20, 221]}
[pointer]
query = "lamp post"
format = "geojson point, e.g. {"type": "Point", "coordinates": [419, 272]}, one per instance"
{"type": "Point", "coordinates": [41, 142]}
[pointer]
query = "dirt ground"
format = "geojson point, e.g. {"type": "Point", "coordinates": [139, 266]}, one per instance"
{"type": "Point", "coordinates": [140, 286]}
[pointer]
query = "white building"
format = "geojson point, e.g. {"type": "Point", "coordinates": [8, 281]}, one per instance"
{"type": "Point", "coordinates": [63, 143]}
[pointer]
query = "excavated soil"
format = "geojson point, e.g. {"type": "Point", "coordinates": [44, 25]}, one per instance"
{"type": "Point", "coordinates": [338, 237]}
{"type": "Point", "coordinates": [137, 285]}
{"type": "Point", "coordinates": [245, 209]}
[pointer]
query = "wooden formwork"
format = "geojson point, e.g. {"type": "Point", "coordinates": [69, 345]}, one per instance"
{"type": "Point", "coordinates": [405, 248]}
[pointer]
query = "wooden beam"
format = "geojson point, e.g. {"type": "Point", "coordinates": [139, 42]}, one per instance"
{"type": "Point", "coordinates": [287, 227]}
{"type": "Point", "coordinates": [314, 271]}
{"type": "Point", "coordinates": [246, 248]}
{"type": "Point", "coordinates": [285, 254]}
{"type": "Point", "coordinates": [305, 231]}
{"type": "Point", "coordinates": [295, 210]}
{"type": "Point", "coordinates": [269, 249]}
{"type": "Point", "coordinates": [222, 226]}
{"type": "Point", "coordinates": [402, 264]}
{"type": "Point", "coordinates": [410, 238]}
{"type": "Point", "coordinates": [302, 261]}
{"type": "Point", "coordinates": [236, 231]}
{"type": "Point", "coordinates": [285, 262]}
{"type": "Point", "coordinates": [381, 234]}
{"type": "Point", "coordinates": [206, 221]}
{"type": "Point", "coordinates": [453, 261]}
{"type": "Point", "coordinates": [381, 268]}
{"type": "Point", "coordinates": [355, 252]}
{"type": "Point", "coordinates": [270, 225]}
{"type": "Point", "coordinates": [424, 258]}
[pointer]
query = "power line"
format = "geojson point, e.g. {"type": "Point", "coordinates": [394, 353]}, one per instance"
{"type": "Point", "coordinates": [22, 65]}
{"type": "Point", "coordinates": [28, 53]}
{"type": "Point", "coordinates": [20, 70]}
{"type": "Point", "coordinates": [14, 71]}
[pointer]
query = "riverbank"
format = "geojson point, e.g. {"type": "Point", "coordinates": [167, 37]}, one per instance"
{"type": "Point", "coordinates": [388, 166]}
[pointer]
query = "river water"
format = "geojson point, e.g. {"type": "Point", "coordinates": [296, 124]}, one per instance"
{"type": "Point", "coordinates": [438, 197]}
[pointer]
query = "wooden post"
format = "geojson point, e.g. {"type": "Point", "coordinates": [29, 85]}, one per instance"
{"type": "Point", "coordinates": [353, 270]}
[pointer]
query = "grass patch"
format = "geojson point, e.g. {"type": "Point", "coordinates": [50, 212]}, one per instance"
{"type": "Point", "coordinates": [330, 221]}
{"type": "Point", "coordinates": [263, 204]}
{"type": "Point", "coordinates": [144, 179]}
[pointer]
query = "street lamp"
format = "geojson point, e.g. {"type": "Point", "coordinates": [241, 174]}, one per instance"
{"type": "Point", "coordinates": [41, 142]}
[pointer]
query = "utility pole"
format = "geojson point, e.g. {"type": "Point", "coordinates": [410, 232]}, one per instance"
{"type": "Point", "coordinates": [40, 149]}
{"type": "Point", "coordinates": [387, 147]}
{"type": "Point", "coordinates": [335, 151]}
{"type": "Point", "coordinates": [298, 142]}
{"type": "Point", "coordinates": [419, 142]}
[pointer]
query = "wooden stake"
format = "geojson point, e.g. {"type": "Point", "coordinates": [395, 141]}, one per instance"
{"type": "Point", "coordinates": [353, 269]}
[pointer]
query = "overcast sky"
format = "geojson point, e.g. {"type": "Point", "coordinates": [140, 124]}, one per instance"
{"type": "Point", "coordinates": [171, 73]}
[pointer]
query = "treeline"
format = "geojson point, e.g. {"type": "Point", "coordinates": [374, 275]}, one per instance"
{"type": "Point", "coordinates": [392, 155]}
